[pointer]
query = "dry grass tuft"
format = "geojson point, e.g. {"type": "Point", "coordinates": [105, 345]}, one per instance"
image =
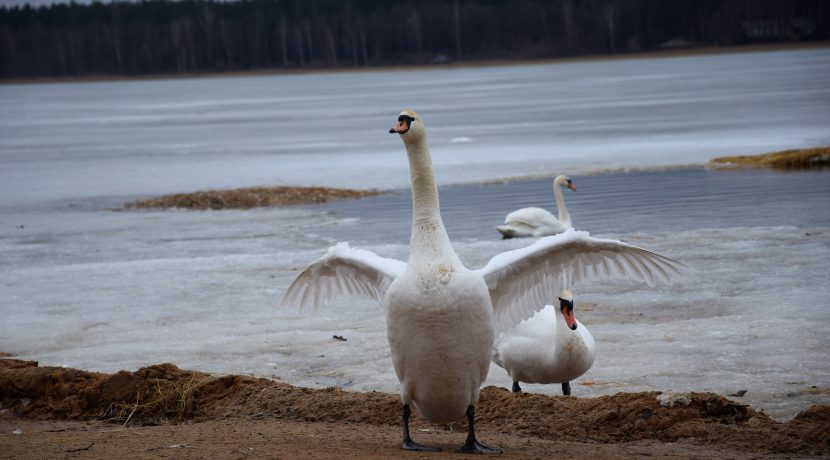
{"type": "Point", "coordinates": [787, 159]}
{"type": "Point", "coordinates": [164, 401]}
{"type": "Point", "coordinates": [253, 197]}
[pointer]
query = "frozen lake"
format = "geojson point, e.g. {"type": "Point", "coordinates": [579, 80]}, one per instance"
{"type": "Point", "coordinates": [84, 286]}
{"type": "Point", "coordinates": [149, 137]}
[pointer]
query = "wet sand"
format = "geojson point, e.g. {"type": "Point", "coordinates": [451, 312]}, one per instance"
{"type": "Point", "coordinates": [162, 411]}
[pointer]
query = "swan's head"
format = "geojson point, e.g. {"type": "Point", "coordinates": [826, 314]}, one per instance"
{"type": "Point", "coordinates": [566, 306]}
{"type": "Point", "coordinates": [566, 181]}
{"type": "Point", "coordinates": [409, 126]}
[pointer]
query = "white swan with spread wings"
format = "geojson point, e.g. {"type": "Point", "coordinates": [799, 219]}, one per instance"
{"type": "Point", "coordinates": [442, 318]}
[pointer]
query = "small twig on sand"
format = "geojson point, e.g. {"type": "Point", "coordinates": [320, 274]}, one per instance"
{"type": "Point", "coordinates": [79, 449]}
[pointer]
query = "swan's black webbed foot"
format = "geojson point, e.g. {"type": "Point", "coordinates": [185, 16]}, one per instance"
{"type": "Point", "coordinates": [472, 446]}
{"type": "Point", "coordinates": [566, 388]}
{"type": "Point", "coordinates": [475, 447]}
{"type": "Point", "coordinates": [407, 443]}
{"type": "Point", "coordinates": [516, 387]}
{"type": "Point", "coordinates": [410, 445]}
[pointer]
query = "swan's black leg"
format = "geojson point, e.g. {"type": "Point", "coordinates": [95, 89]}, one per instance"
{"type": "Point", "coordinates": [516, 387]}
{"type": "Point", "coordinates": [408, 444]}
{"type": "Point", "coordinates": [566, 388]}
{"type": "Point", "coordinates": [472, 446]}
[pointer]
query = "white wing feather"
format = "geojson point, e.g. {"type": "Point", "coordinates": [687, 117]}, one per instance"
{"type": "Point", "coordinates": [343, 271]}
{"type": "Point", "coordinates": [524, 280]}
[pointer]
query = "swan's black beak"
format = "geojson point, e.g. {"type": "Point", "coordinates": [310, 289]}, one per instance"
{"type": "Point", "coordinates": [571, 186]}
{"type": "Point", "coordinates": [403, 124]}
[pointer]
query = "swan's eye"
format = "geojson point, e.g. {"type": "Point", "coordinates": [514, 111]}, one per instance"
{"type": "Point", "coordinates": [563, 304]}
{"type": "Point", "coordinates": [406, 119]}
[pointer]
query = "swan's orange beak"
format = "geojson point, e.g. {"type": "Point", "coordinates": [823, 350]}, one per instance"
{"type": "Point", "coordinates": [571, 186]}
{"type": "Point", "coordinates": [400, 127]}
{"type": "Point", "coordinates": [570, 319]}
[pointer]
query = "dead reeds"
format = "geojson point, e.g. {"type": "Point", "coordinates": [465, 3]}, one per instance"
{"type": "Point", "coordinates": [787, 159]}
{"type": "Point", "coordinates": [162, 400]}
{"type": "Point", "coordinates": [247, 198]}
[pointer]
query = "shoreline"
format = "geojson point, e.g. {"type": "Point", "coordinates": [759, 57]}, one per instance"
{"type": "Point", "coordinates": [48, 409]}
{"type": "Point", "coordinates": [196, 202]}
{"type": "Point", "coordinates": [589, 172]}
{"type": "Point", "coordinates": [658, 54]}
{"type": "Point", "coordinates": [212, 199]}
{"type": "Point", "coordinates": [722, 163]}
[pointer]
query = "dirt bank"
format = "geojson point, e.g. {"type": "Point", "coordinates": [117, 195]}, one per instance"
{"type": "Point", "coordinates": [163, 411]}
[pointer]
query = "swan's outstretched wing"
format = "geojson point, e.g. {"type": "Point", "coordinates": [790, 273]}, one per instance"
{"type": "Point", "coordinates": [343, 271]}
{"type": "Point", "coordinates": [524, 280]}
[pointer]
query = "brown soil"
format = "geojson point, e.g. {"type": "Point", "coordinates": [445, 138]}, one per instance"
{"type": "Point", "coordinates": [788, 159]}
{"type": "Point", "coordinates": [247, 198]}
{"type": "Point", "coordinates": [163, 411]}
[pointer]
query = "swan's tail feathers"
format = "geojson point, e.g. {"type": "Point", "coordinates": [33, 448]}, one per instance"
{"type": "Point", "coordinates": [508, 232]}
{"type": "Point", "coordinates": [497, 357]}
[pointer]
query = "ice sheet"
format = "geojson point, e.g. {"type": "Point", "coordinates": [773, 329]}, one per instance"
{"type": "Point", "coordinates": [150, 137]}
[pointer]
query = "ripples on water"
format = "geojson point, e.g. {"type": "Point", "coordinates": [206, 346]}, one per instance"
{"type": "Point", "coordinates": [648, 201]}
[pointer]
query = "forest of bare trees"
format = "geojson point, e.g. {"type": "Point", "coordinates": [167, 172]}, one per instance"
{"type": "Point", "coordinates": [158, 36]}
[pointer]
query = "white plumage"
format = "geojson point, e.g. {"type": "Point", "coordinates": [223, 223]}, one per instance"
{"type": "Point", "coordinates": [538, 222]}
{"type": "Point", "coordinates": [344, 271]}
{"type": "Point", "coordinates": [441, 317]}
{"type": "Point", "coordinates": [521, 281]}
{"type": "Point", "coordinates": [544, 349]}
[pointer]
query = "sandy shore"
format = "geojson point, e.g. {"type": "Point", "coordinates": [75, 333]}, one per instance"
{"type": "Point", "coordinates": [162, 411]}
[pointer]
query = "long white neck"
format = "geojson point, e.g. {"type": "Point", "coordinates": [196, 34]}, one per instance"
{"type": "Point", "coordinates": [430, 242]}
{"type": "Point", "coordinates": [564, 217]}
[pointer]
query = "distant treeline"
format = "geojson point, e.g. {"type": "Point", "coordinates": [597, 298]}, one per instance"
{"type": "Point", "coordinates": [156, 36]}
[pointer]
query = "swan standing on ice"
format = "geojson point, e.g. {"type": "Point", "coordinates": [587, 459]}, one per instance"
{"type": "Point", "coordinates": [549, 347]}
{"type": "Point", "coordinates": [537, 221]}
{"type": "Point", "coordinates": [442, 318]}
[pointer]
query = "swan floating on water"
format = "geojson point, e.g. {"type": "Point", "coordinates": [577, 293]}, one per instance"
{"type": "Point", "coordinates": [537, 221]}
{"type": "Point", "coordinates": [549, 347]}
{"type": "Point", "coordinates": [441, 317]}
